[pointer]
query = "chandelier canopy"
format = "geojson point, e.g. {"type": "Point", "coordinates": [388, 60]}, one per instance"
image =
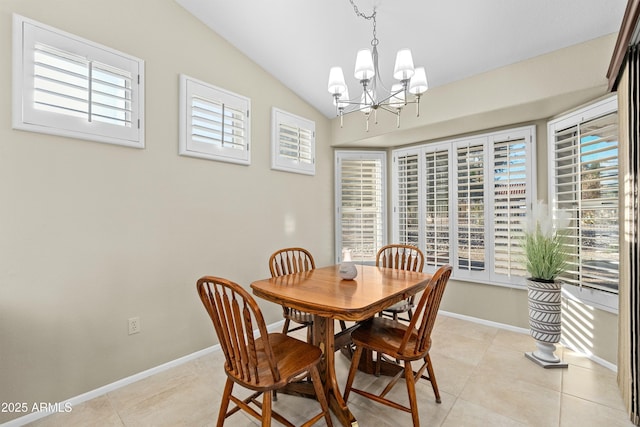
{"type": "Point", "coordinates": [375, 96]}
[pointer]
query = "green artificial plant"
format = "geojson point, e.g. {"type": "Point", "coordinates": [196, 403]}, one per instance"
{"type": "Point", "coordinates": [544, 244]}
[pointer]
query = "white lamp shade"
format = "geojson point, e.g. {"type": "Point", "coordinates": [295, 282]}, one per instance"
{"type": "Point", "coordinates": [404, 65]}
{"type": "Point", "coordinates": [343, 100]}
{"type": "Point", "coordinates": [336, 84]}
{"type": "Point", "coordinates": [419, 83]}
{"type": "Point", "coordinates": [364, 65]}
{"type": "Point", "coordinates": [397, 99]}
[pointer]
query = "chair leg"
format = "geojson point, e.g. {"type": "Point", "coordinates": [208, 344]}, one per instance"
{"type": "Point", "coordinates": [355, 361]}
{"type": "Point", "coordinates": [432, 377]}
{"type": "Point", "coordinates": [285, 328]}
{"type": "Point", "coordinates": [266, 409]}
{"type": "Point", "coordinates": [411, 390]}
{"type": "Point", "coordinates": [224, 404]}
{"type": "Point", "coordinates": [322, 398]}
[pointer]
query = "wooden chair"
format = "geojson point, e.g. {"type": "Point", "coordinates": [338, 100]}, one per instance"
{"type": "Point", "coordinates": [263, 363]}
{"type": "Point", "coordinates": [401, 257]}
{"type": "Point", "coordinates": [288, 261]}
{"type": "Point", "coordinates": [404, 343]}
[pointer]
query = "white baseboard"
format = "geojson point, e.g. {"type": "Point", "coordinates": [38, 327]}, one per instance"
{"type": "Point", "coordinates": [485, 322]}
{"type": "Point", "coordinates": [589, 356]}
{"type": "Point", "coordinates": [277, 326]}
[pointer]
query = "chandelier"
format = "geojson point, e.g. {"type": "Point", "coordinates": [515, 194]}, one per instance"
{"type": "Point", "coordinates": [374, 95]}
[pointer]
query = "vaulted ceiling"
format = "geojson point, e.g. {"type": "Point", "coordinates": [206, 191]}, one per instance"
{"type": "Point", "coordinates": [297, 41]}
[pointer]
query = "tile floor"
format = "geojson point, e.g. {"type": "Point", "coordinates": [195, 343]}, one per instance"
{"type": "Point", "coordinates": [484, 379]}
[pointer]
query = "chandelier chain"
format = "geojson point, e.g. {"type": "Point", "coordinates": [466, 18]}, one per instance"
{"type": "Point", "coordinates": [374, 42]}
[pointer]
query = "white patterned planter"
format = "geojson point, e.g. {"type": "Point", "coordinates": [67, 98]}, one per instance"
{"type": "Point", "coordinates": [545, 319]}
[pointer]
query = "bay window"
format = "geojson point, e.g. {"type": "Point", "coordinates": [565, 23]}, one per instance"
{"type": "Point", "coordinates": [463, 202]}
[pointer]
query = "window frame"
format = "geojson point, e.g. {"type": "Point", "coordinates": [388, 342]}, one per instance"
{"type": "Point", "coordinates": [191, 88]}
{"type": "Point", "coordinates": [601, 299]}
{"type": "Point", "coordinates": [27, 34]}
{"type": "Point", "coordinates": [488, 140]}
{"type": "Point", "coordinates": [282, 163]}
{"type": "Point", "coordinates": [339, 156]}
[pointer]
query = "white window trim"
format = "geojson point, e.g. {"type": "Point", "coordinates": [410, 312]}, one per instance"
{"type": "Point", "coordinates": [279, 162]}
{"type": "Point", "coordinates": [593, 297]}
{"type": "Point", "coordinates": [25, 33]}
{"type": "Point", "coordinates": [190, 88]}
{"type": "Point", "coordinates": [359, 155]}
{"type": "Point", "coordinates": [487, 276]}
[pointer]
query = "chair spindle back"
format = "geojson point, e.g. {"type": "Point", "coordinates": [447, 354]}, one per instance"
{"type": "Point", "coordinates": [426, 311]}
{"type": "Point", "coordinates": [401, 257]}
{"type": "Point", "coordinates": [290, 260]}
{"type": "Point", "coordinates": [235, 315]}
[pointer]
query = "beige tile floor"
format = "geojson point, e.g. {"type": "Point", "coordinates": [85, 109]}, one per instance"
{"type": "Point", "coordinates": [484, 379]}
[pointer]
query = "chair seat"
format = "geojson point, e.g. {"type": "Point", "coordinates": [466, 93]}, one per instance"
{"type": "Point", "coordinates": [385, 336]}
{"type": "Point", "coordinates": [292, 357]}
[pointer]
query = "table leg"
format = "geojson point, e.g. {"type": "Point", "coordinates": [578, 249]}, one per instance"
{"type": "Point", "coordinates": [323, 331]}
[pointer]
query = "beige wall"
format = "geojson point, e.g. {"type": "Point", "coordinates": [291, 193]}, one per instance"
{"type": "Point", "coordinates": [92, 234]}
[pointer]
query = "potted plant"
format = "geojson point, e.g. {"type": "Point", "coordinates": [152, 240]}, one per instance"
{"type": "Point", "coordinates": [545, 258]}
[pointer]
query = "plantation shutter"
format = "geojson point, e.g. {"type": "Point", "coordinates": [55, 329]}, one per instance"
{"type": "Point", "coordinates": [218, 124]}
{"type": "Point", "coordinates": [70, 84]}
{"type": "Point", "coordinates": [214, 123]}
{"type": "Point", "coordinates": [470, 183]}
{"type": "Point", "coordinates": [586, 186]}
{"type": "Point", "coordinates": [437, 212]}
{"type": "Point", "coordinates": [293, 143]}
{"type": "Point", "coordinates": [361, 205]}
{"type": "Point", "coordinates": [511, 197]}
{"type": "Point", "coordinates": [74, 87]}
{"type": "Point", "coordinates": [408, 198]}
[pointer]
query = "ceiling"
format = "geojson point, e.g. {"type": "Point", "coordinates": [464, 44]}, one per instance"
{"type": "Point", "coordinates": [297, 41]}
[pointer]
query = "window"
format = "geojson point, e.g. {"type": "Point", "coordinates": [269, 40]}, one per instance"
{"type": "Point", "coordinates": [293, 143]}
{"type": "Point", "coordinates": [463, 202]}
{"type": "Point", "coordinates": [65, 85]}
{"type": "Point", "coordinates": [583, 164]}
{"type": "Point", "coordinates": [361, 204]}
{"type": "Point", "coordinates": [214, 123]}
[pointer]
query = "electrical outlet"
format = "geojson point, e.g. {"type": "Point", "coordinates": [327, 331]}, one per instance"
{"type": "Point", "coordinates": [134, 325]}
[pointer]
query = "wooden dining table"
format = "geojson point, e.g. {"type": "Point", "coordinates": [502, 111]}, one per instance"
{"type": "Point", "coordinates": [324, 294]}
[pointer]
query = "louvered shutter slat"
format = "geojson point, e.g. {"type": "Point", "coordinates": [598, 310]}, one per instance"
{"type": "Point", "coordinates": [470, 177]}
{"type": "Point", "coordinates": [510, 197]}
{"type": "Point", "coordinates": [586, 186]}
{"type": "Point", "coordinates": [361, 207]}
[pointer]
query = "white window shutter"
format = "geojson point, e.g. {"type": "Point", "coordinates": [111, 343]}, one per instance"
{"type": "Point", "coordinates": [361, 204]}
{"type": "Point", "coordinates": [511, 199]}
{"type": "Point", "coordinates": [586, 185]}
{"type": "Point", "coordinates": [408, 197]}
{"type": "Point", "coordinates": [293, 146]}
{"type": "Point", "coordinates": [69, 86]}
{"type": "Point", "coordinates": [437, 182]}
{"type": "Point", "coordinates": [214, 123]}
{"type": "Point", "coordinates": [471, 188]}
